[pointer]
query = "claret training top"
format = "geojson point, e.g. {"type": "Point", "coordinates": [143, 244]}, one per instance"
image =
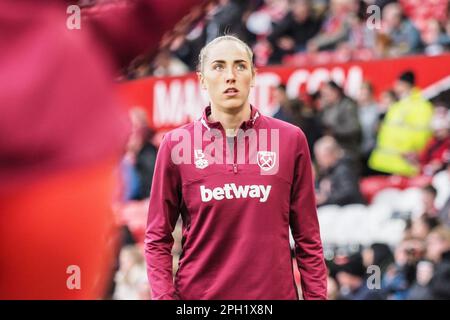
{"type": "Point", "coordinates": [237, 201]}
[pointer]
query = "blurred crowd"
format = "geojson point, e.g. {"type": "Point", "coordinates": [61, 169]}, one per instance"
{"type": "Point", "coordinates": [360, 146]}
{"type": "Point", "coordinates": [304, 32]}
{"type": "Point", "coordinates": [363, 146]}
{"type": "Point", "coordinates": [418, 268]}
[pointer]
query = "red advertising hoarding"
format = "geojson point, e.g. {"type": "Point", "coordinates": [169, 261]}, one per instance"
{"type": "Point", "coordinates": [173, 101]}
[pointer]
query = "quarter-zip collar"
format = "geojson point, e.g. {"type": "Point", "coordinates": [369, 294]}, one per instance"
{"type": "Point", "coordinates": [252, 122]}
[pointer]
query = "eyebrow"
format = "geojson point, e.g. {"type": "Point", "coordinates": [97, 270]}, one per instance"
{"type": "Point", "coordinates": [223, 61]}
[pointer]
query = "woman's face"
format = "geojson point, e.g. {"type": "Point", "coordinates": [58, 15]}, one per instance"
{"type": "Point", "coordinates": [227, 75]}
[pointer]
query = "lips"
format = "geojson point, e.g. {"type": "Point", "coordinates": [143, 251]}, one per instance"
{"type": "Point", "coordinates": [231, 92]}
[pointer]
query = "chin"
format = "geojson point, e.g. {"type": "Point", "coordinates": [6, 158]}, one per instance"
{"type": "Point", "coordinates": [232, 104]}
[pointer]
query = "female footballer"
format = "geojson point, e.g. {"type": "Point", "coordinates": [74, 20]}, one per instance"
{"type": "Point", "coordinates": [239, 180]}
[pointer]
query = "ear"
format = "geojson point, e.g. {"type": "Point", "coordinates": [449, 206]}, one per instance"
{"type": "Point", "coordinates": [201, 80]}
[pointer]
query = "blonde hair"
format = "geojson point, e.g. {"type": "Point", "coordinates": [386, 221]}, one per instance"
{"type": "Point", "coordinates": [202, 55]}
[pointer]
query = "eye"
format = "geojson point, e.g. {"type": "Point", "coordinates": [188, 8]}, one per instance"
{"type": "Point", "coordinates": [218, 67]}
{"type": "Point", "coordinates": [241, 66]}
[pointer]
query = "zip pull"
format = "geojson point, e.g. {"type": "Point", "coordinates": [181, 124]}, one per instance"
{"type": "Point", "coordinates": [235, 169]}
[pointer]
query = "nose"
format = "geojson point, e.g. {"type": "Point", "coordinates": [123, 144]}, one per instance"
{"type": "Point", "coordinates": [230, 76]}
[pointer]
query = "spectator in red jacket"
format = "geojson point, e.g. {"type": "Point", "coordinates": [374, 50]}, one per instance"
{"type": "Point", "coordinates": [437, 151]}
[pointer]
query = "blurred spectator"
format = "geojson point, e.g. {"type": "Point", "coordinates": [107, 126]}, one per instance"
{"type": "Point", "coordinates": [186, 46]}
{"type": "Point", "coordinates": [434, 38]}
{"type": "Point", "coordinates": [226, 18]}
{"type": "Point", "coordinates": [422, 226]}
{"type": "Point", "coordinates": [336, 26]}
{"type": "Point", "coordinates": [403, 36]}
{"type": "Point", "coordinates": [380, 3]}
{"type": "Point", "coordinates": [399, 276]}
{"type": "Point", "coordinates": [368, 112]}
{"type": "Point", "coordinates": [387, 99]}
{"type": "Point", "coordinates": [165, 64]}
{"type": "Point", "coordinates": [337, 181]}
{"type": "Point", "coordinates": [437, 151]}
{"type": "Point", "coordinates": [298, 113]}
{"type": "Point", "coordinates": [260, 24]}
{"type": "Point", "coordinates": [438, 251]}
{"type": "Point", "coordinates": [131, 279]}
{"type": "Point", "coordinates": [378, 254]}
{"type": "Point", "coordinates": [420, 289]}
{"type": "Point", "coordinates": [293, 32]}
{"type": "Point", "coordinates": [428, 198]}
{"type": "Point", "coordinates": [139, 161]}
{"type": "Point", "coordinates": [422, 11]}
{"type": "Point", "coordinates": [271, 12]}
{"type": "Point", "coordinates": [129, 175]}
{"type": "Point", "coordinates": [404, 132]}
{"type": "Point", "coordinates": [447, 26]}
{"type": "Point", "coordinates": [441, 181]}
{"type": "Point", "coordinates": [339, 116]}
{"type": "Point", "coordinates": [282, 102]}
{"type": "Point", "coordinates": [305, 117]}
{"type": "Point", "coordinates": [444, 214]}
{"type": "Point", "coordinates": [201, 25]}
{"type": "Point", "coordinates": [351, 278]}
{"type": "Point", "coordinates": [360, 36]}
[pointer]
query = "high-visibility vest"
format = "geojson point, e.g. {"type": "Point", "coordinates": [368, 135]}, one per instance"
{"type": "Point", "coordinates": [405, 129]}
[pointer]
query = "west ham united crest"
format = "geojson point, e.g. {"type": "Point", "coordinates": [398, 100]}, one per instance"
{"type": "Point", "coordinates": [266, 160]}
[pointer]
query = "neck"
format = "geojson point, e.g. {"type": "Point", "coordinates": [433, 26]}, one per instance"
{"type": "Point", "coordinates": [231, 120]}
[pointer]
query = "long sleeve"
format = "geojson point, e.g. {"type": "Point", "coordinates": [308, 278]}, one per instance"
{"type": "Point", "coordinates": [162, 216]}
{"type": "Point", "coordinates": [305, 226]}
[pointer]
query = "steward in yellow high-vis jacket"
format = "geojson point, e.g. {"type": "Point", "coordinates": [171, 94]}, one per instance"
{"type": "Point", "coordinates": [404, 131]}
